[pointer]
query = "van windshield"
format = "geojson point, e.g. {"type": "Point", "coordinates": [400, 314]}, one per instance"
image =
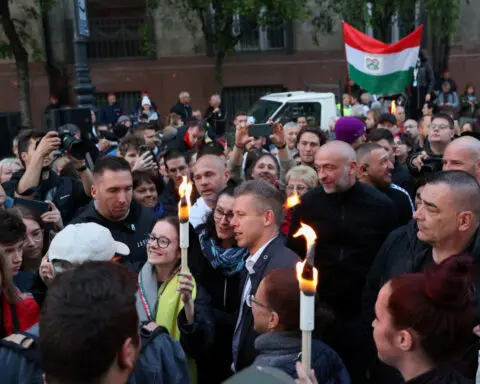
{"type": "Point", "coordinates": [262, 110]}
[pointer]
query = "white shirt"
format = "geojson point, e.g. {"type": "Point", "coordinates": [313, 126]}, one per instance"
{"type": "Point", "coordinates": [199, 212]}
{"type": "Point", "coordinates": [249, 265]}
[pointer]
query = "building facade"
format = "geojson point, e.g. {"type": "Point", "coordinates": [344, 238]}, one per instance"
{"type": "Point", "coordinates": [130, 52]}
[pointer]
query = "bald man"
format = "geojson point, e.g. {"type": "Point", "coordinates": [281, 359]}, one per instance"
{"type": "Point", "coordinates": [446, 225]}
{"type": "Point", "coordinates": [210, 175]}
{"type": "Point", "coordinates": [352, 220]}
{"type": "Point", "coordinates": [463, 154]}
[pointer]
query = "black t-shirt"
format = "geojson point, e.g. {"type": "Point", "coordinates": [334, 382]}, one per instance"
{"type": "Point", "coordinates": [441, 375]}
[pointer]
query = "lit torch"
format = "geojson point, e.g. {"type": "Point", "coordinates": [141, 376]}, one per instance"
{"type": "Point", "coordinates": [292, 201]}
{"type": "Point", "coordinates": [307, 276]}
{"type": "Point", "coordinates": [185, 191]}
{"type": "Point", "coordinates": [393, 107]}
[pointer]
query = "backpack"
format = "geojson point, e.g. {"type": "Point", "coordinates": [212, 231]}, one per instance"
{"type": "Point", "coordinates": [20, 359]}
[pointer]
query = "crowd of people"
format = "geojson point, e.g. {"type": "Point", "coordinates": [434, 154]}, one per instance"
{"type": "Point", "coordinates": [92, 288]}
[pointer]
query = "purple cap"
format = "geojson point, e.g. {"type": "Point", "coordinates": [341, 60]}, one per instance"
{"type": "Point", "coordinates": [349, 129]}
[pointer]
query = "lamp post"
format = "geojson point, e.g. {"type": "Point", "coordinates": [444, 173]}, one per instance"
{"type": "Point", "coordinates": [83, 86]}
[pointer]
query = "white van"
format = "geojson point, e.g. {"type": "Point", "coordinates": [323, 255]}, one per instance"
{"type": "Point", "coordinates": [318, 108]}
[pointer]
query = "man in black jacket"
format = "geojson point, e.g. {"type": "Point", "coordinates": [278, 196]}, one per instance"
{"type": "Point", "coordinates": [216, 118]}
{"type": "Point", "coordinates": [351, 220]}
{"type": "Point", "coordinates": [375, 169]}
{"type": "Point", "coordinates": [183, 107]}
{"type": "Point", "coordinates": [446, 224]}
{"type": "Point", "coordinates": [188, 137]}
{"type": "Point", "coordinates": [38, 182]}
{"type": "Point", "coordinates": [256, 222]}
{"type": "Point", "coordinates": [400, 173]}
{"type": "Point", "coordinates": [176, 164]}
{"type": "Point", "coordinates": [114, 209]}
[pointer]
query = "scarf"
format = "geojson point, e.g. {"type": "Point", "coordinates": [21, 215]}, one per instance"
{"type": "Point", "coordinates": [168, 306]}
{"type": "Point", "coordinates": [229, 261]}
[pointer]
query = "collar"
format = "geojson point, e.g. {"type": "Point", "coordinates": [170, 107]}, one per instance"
{"type": "Point", "coordinates": [252, 259]}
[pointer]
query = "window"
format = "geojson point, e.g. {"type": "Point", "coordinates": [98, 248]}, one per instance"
{"type": "Point", "coordinates": [312, 111]}
{"type": "Point", "coordinates": [122, 30]}
{"type": "Point", "coordinates": [262, 110]}
{"type": "Point", "coordinates": [255, 37]}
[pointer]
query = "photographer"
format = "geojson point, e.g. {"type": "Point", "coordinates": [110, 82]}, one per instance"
{"type": "Point", "coordinates": [430, 160]}
{"type": "Point", "coordinates": [38, 182]}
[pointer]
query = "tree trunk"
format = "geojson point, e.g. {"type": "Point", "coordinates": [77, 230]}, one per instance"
{"type": "Point", "coordinates": [21, 63]}
{"type": "Point", "coordinates": [219, 61]}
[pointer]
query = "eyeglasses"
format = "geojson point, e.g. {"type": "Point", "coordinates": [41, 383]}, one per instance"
{"type": "Point", "coordinates": [36, 235]}
{"type": "Point", "coordinates": [298, 188]}
{"type": "Point", "coordinates": [219, 214]}
{"type": "Point", "coordinates": [162, 241]}
{"type": "Point", "coordinates": [251, 300]}
{"type": "Point", "coordinates": [439, 126]}
{"type": "Point", "coordinates": [180, 169]}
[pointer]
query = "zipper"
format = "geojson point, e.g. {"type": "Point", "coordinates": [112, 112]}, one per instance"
{"type": "Point", "coordinates": [225, 294]}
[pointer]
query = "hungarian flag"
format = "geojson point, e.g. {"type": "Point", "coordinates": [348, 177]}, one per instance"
{"type": "Point", "coordinates": [378, 67]}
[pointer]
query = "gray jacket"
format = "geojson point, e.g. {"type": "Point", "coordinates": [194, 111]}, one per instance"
{"type": "Point", "coordinates": [282, 350]}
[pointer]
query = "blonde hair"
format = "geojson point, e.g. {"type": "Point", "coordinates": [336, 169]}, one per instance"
{"type": "Point", "coordinates": [305, 173]}
{"type": "Point", "coordinates": [8, 162]}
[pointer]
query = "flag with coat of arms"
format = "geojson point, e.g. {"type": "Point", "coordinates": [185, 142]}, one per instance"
{"type": "Point", "coordinates": [378, 67]}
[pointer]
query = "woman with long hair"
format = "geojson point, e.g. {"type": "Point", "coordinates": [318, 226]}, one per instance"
{"type": "Point", "coordinates": [424, 320]}
{"type": "Point", "coordinates": [18, 311]}
{"type": "Point", "coordinates": [172, 298]}
{"type": "Point", "coordinates": [222, 263]}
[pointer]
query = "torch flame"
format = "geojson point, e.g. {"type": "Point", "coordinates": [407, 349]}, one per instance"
{"type": "Point", "coordinates": [393, 108]}
{"type": "Point", "coordinates": [185, 192]}
{"type": "Point", "coordinates": [292, 201]}
{"type": "Point", "coordinates": [309, 234]}
{"type": "Point", "coordinates": [307, 285]}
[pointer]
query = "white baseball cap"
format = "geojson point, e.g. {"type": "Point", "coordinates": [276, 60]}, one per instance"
{"type": "Point", "coordinates": [79, 243]}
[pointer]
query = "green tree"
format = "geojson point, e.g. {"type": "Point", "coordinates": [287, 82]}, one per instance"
{"type": "Point", "coordinates": [18, 42]}
{"type": "Point", "coordinates": [443, 16]}
{"type": "Point", "coordinates": [217, 21]}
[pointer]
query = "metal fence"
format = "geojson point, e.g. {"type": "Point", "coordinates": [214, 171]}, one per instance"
{"type": "Point", "coordinates": [118, 37]}
{"type": "Point", "coordinates": [127, 100]}
{"type": "Point", "coordinates": [237, 99]}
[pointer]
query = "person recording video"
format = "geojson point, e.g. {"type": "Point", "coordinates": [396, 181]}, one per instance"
{"type": "Point", "coordinates": [37, 181]}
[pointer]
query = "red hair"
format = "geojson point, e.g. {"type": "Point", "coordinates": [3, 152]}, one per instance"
{"type": "Point", "coordinates": [437, 305]}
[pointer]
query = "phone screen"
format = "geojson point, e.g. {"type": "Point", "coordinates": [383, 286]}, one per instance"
{"type": "Point", "coordinates": [257, 130]}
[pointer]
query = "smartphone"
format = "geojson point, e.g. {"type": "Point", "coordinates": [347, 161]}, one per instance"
{"type": "Point", "coordinates": [142, 149]}
{"type": "Point", "coordinates": [36, 206]}
{"type": "Point", "coordinates": [257, 130]}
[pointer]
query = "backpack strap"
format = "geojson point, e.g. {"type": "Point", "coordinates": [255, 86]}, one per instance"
{"type": "Point", "coordinates": [149, 330]}
{"type": "Point", "coordinates": [23, 343]}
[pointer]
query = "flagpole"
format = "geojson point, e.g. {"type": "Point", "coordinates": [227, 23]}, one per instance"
{"type": "Point", "coordinates": [346, 65]}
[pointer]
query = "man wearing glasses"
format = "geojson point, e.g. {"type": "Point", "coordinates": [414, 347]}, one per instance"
{"type": "Point", "coordinates": [176, 164]}
{"type": "Point", "coordinates": [440, 134]}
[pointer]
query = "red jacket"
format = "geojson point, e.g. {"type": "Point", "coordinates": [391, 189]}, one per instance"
{"type": "Point", "coordinates": [28, 314]}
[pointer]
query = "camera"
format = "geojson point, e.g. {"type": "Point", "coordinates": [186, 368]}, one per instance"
{"type": "Point", "coordinates": [76, 147]}
{"type": "Point", "coordinates": [432, 165]}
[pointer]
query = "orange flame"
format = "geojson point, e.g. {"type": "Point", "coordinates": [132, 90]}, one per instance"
{"type": "Point", "coordinates": [185, 192]}
{"type": "Point", "coordinates": [292, 201]}
{"type": "Point", "coordinates": [393, 107]}
{"type": "Point", "coordinates": [306, 285]}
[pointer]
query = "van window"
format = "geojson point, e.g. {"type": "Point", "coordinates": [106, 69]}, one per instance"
{"type": "Point", "coordinates": [291, 111]}
{"type": "Point", "coordinates": [262, 110]}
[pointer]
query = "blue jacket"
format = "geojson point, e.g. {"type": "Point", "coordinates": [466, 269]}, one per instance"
{"type": "Point", "coordinates": [282, 350]}
{"type": "Point", "coordinates": [109, 114]}
{"type": "Point", "coordinates": [161, 360]}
